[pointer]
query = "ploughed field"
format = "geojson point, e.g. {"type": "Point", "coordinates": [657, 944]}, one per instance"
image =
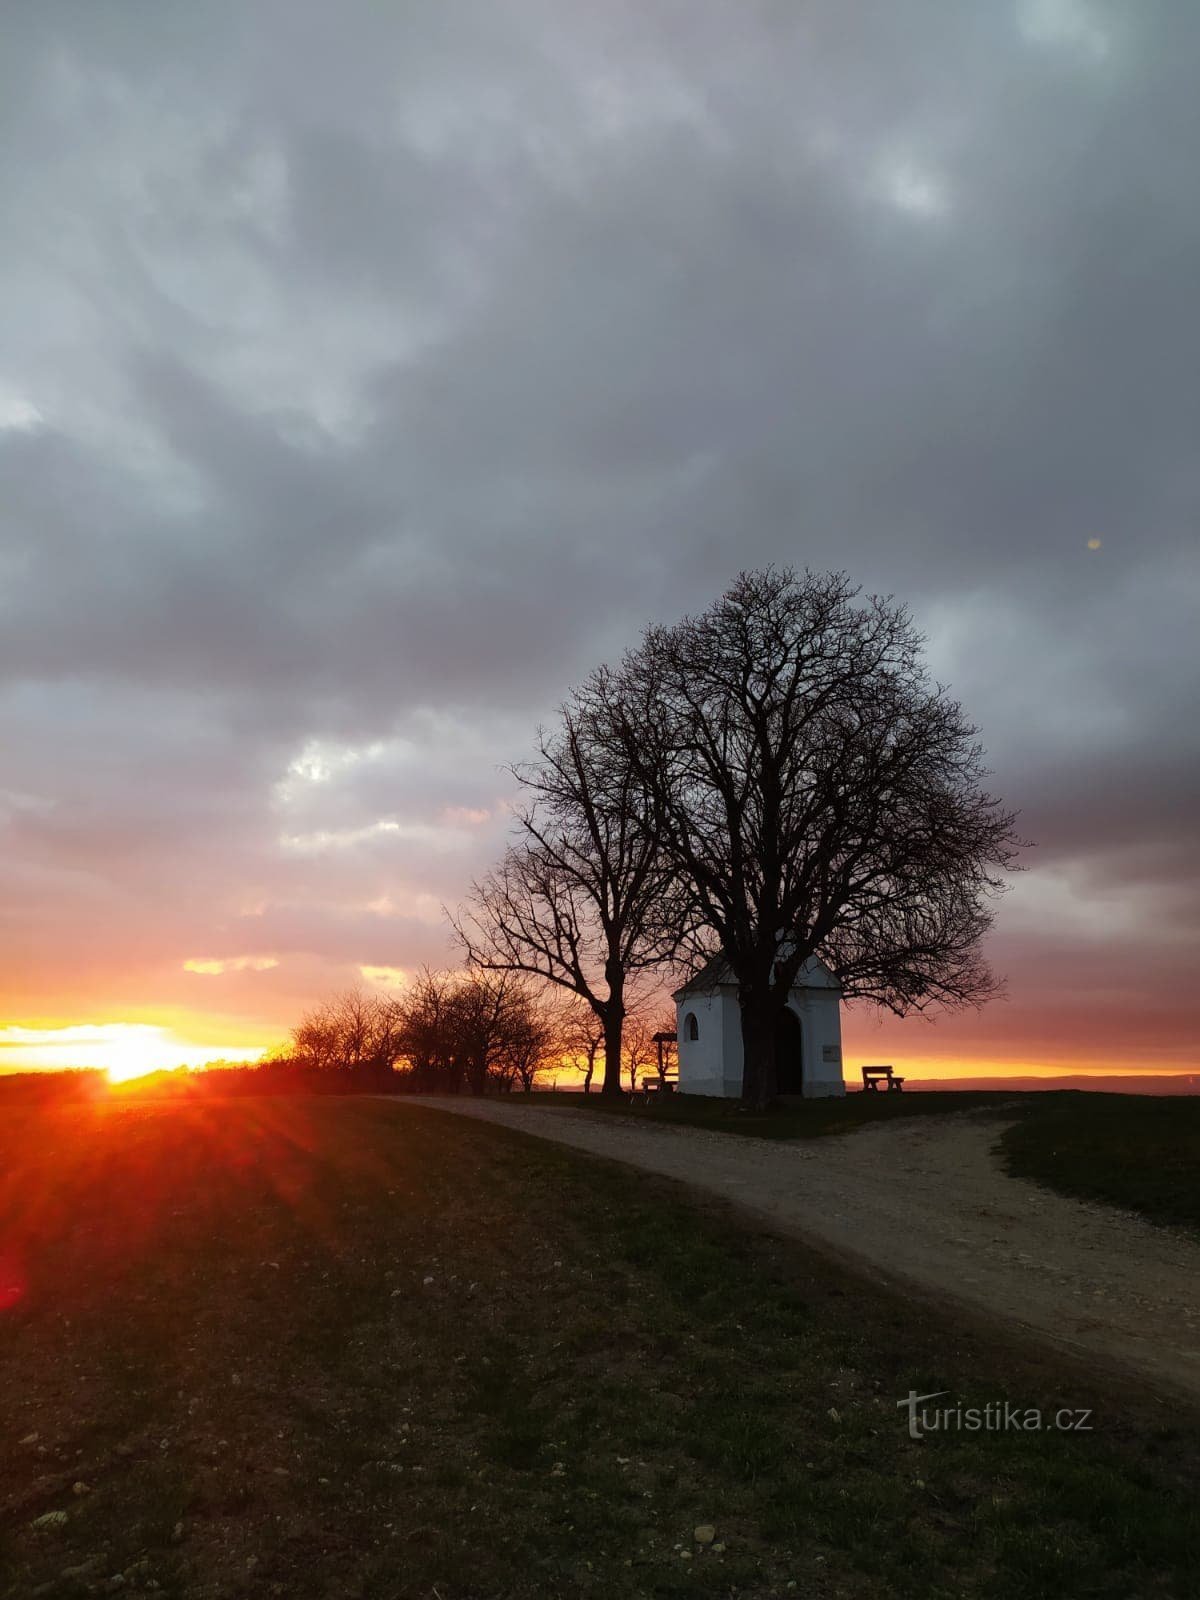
{"type": "Point", "coordinates": [324, 1347]}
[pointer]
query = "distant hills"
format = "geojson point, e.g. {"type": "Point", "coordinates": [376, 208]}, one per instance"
{"type": "Point", "coordinates": [1123, 1083]}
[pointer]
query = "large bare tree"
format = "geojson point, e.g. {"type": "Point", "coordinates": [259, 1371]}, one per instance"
{"type": "Point", "coordinates": [818, 795]}
{"type": "Point", "coordinates": [579, 900]}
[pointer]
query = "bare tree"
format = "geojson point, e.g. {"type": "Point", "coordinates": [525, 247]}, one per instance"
{"type": "Point", "coordinates": [471, 1029]}
{"type": "Point", "coordinates": [532, 1040]}
{"type": "Point", "coordinates": [314, 1040]}
{"type": "Point", "coordinates": [355, 1032]}
{"type": "Point", "coordinates": [427, 1035]}
{"type": "Point", "coordinates": [578, 899]}
{"type": "Point", "coordinates": [582, 1037]}
{"type": "Point", "coordinates": [480, 1015]}
{"type": "Point", "coordinates": [368, 1026]}
{"type": "Point", "coordinates": [640, 1050]}
{"type": "Point", "coordinates": [817, 795]}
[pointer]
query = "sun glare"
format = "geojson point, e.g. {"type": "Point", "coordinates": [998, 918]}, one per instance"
{"type": "Point", "coordinates": [123, 1050]}
{"type": "Point", "coordinates": [134, 1058]}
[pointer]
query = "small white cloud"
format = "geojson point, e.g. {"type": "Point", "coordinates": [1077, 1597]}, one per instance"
{"type": "Point", "coordinates": [385, 977]}
{"type": "Point", "coordinates": [1067, 24]}
{"type": "Point", "coordinates": [326, 841]}
{"type": "Point", "coordinates": [17, 413]}
{"type": "Point", "coordinates": [215, 966]}
{"type": "Point", "coordinates": [320, 840]}
{"type": "Point", "coordinates": [914, 189]}
{"type": "Point", "coordinates": [319, 762]}
{"type": "Point", "coordinates": [467, 816]}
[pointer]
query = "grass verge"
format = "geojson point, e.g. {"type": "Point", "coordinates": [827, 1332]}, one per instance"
{"type": "Point", "coordinates": [807, 1119]}
{"type": "Point", "coordinates": [1141, 1152]}
{"type": "Point", "coordinates": [314, 1348]}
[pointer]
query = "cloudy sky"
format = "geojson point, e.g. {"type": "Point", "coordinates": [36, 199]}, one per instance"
{"type": "Point", "coordinates": [368, 372]}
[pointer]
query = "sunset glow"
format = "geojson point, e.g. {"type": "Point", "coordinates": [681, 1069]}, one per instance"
{"type": "Point", "coordinates": [953, 1050]}
{"type": "Point", "coordinates": [123, 1050]}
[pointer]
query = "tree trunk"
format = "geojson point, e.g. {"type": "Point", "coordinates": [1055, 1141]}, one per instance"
{"type": "Point", "coordinates": [613, 1018]}
{"type": "Point", "coordinates": [614, 1028]}
{"type": "Point", "coordinates": [759, 1073]}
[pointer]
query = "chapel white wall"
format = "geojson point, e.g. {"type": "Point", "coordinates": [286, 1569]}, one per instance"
{"type": "Point", "coordinates": [712, 1064]}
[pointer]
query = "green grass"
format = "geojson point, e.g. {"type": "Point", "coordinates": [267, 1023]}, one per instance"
{"type": "Point", "coordinates": [346, 1348]}
{"type": "Point", "coordinates": [810, 1119]}
{"type": "Point", "coordinates": [1137, 1151]}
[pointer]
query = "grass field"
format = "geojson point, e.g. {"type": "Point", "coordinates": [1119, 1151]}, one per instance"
{"type": "Point", "coordinates": [1137, 1151]}
{"type": "Point", "coordinates": [342, 1348]}
{"type": "Point", "coordinates": [1141, 1152]}
{"type": "Point", "coordinates": [810, 1119]}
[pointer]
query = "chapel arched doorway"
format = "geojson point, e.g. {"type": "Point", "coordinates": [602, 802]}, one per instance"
{"type": "Point", "coordinates": [789, 1053]}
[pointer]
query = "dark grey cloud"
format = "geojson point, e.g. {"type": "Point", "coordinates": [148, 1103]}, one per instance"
{"type": "Point", "coordinates": [369, 373]}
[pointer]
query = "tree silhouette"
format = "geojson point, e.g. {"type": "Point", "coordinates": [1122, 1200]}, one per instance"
{"type": "Point", "coordinates": [815, 794]}
{"type": "Point", "coordinates": [578, 900]}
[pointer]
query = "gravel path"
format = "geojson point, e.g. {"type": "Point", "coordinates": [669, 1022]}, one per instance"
{"type": "Point", "coordinates": [925, 1199]}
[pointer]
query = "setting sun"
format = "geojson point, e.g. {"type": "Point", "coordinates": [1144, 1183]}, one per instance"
{"type": "Point", "coordinates": [133, 1052]}
{"type": "Point", "coordinates": [122, 1050]}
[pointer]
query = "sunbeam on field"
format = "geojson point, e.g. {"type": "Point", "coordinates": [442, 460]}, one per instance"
{"type": "Point", "coordinates": [123, 1050]}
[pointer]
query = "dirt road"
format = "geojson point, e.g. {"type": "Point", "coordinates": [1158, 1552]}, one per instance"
{"type": "Point", "coordinates": [924, 1199]}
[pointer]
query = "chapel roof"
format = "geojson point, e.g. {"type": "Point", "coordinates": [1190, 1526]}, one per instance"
{"type": "Point", "coordinates": [714, 972]}
{"type": "Point", "coordinates": [717, 972]}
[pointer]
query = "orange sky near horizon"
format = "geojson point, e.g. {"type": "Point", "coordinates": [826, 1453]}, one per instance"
{"type": "Point", "coordinates": [156, 1039]}
{"type": "Point", "coordinates": [125, 1049]}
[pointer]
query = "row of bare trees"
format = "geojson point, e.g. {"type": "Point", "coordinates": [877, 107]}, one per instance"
{"type": "Point", "coordinates": [451, 1032]}
{"type": "Point", "coordinates": [774, 780]}
{"type": "Point", "coordinates": [463, 1032]}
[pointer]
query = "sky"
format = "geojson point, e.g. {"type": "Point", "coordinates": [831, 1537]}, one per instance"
{"type": "Point", "coordinates": [368, 373]}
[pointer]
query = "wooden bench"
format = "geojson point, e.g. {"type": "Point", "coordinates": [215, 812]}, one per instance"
{"type": "Point", "coordinates": [661, 1083]}
{"type": "Point", "coordinates": [875, 1077]}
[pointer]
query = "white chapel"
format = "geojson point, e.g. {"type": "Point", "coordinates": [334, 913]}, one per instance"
{"type": "Point", "coordinates": [808, 1044]}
